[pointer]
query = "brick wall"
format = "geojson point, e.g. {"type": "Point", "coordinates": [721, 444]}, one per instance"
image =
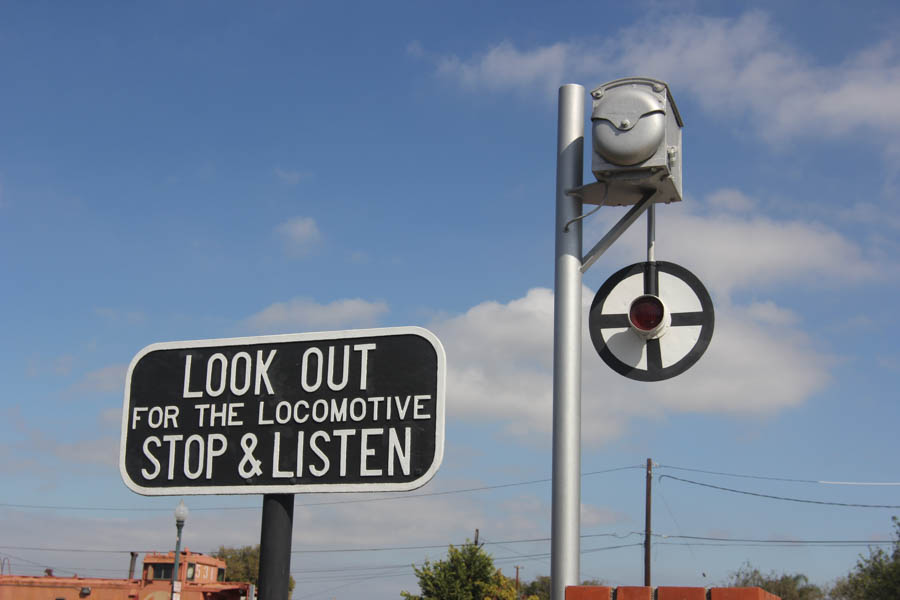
{"type": "Point", "coordinates": [596, 592]}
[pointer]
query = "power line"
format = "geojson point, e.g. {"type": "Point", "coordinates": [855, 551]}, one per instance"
{"type": "Point", "coordinates": [501, 543]}
{"type": "Point", "coordinates": [354, 579]}
{"type": "Point", "coordinates": [719, 542]}
{"type": "Point", "coordinates": [777, 541]}
{"type": "Point", "coordinates": [767, 545]}
{"type": "Point", "coordinates": [37, 564]}
{"type": "Point", "coordinates": [324, 550]}
{"type": "Point", "coordinates": [41, 549]}
{"type": "Point", "coordinates": [323, 503]}
{"type": "Point", "coordinates": [788, 479]}
{"type": "Point", "coordinates": [772, 497]}
{"type": "Point", "coordinates": [435, 546]}
{"type": "Point", "coordinates": [874, 483]}
{"type": "Point", "coordinates": [350, 568]}
{"type": "Point", "coordinates": [458, 491]}
{"type": "Point", "coordinates": [591, 550]}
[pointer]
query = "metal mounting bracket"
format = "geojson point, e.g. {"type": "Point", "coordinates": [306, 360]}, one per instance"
{"type": "Point", "coordinates": [618, 229]}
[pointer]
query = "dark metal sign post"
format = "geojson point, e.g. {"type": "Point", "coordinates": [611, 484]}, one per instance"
{"type": "Point", "coordinates": [275, 546]}
{"type": "Point", "coordinates": [340, 411]}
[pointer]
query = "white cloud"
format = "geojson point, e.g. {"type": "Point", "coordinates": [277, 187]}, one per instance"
{"type": "Point", "coordinates": [500, 369]}
{"type": "Point", "coordinates": [109, 379]}
{"type": "Point", "coordinates": [760, 360]}
{"type": "Point", "coordinates": [730, 199]}
{"type": "Point", "coordinates": [770, 314]}
{"type": "Point", "coordinates": [591, 516]}
{"type": "Point", "coordinates": [504, 66]}
{"type": "Point", "coordinates": [735, 67]}
{"type": "Point", "coordinates": [498, 361]}
{"type": "Point", "coordinates": [752, 367]}
{"type": "Point", "coordinates": [115, 315]}
{"type": "Point", "coordinates": [413, 520]}
{"type": "Point", "coordinates": [303, 314]}
{"type": "Point", "coordinates": [46, 455]}
{"type": "Point", "coordinates": [868, 213]}
{"type": "Point", "coordinates": [732, 252]}
{"type": "Point", "coordinates": [746, 65]}
{"type": "Point", "coordinates": [111, 417]}
{"type": "Point", "coordinates": [891, 362]}
{"type": "Point", "coordinates": [290, 176]}
{"type": "Point", "coordinates": [360, 258]}
{"type": "Point", "coordinates": [60, 365]}
{"type": "Point", "coordinates": [415, 49]}
{"type": "Point", "coordinates": [103, 451]}
{"type": "Point", "coordinates": [742, 253]}
{"type": "Point", "coordinates": [300, 235]}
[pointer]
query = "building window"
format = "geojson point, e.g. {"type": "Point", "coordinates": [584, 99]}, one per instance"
{"type": "Point", "coordinates": [191, 569]}
{"type": "Point", "coordinates": [162, 571]}
{"type": "Point", "coordinates": [220, 576]}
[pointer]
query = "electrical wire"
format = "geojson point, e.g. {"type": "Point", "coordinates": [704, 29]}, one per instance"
{"type": "Point", "coordinates": [97, 550]}
{"type": "Point", "coordinates": [435, 546]}
{"type": "Point", "coordinates": [353, 580]}
{"type": "Point", "coordinates": [767, 545]}
{"type": "Point", "coordinates": [37, 564]}
{"type": "Point", "coordinates": [787, 479]}
{"type": "Point", "coordinates": [344, 585]}
{"type": "Point", "coordinates": [785, 498]}
{"type": "Point", "coordinates": [324, 550]}
{"type": "Point", "coordinates": [679, 536]}
{"type": "Point", "coordinates": [678, 528]}
{"type": "Point", "coordinates": [454, 491]}
{"type": "Point", "coordinates": [776, 541]}
{"type": "Point", "coordinates": [323, 503]}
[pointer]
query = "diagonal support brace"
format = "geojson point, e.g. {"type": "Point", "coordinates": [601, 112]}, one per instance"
{"type": "Point", "coordinates": [617, 230]}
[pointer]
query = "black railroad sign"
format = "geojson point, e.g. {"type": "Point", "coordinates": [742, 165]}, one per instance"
{"type": "Point", "coordinates": [338, 411]}
{"type": "Point", "coordinates": [630, 341]}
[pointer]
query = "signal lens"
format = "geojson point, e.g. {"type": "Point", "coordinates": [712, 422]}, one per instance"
{"type": "Point", "coordinates": [646, 313]}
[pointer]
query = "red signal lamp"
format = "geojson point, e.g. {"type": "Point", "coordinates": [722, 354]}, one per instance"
{"type": "Point", "coordinates": [648, 316]}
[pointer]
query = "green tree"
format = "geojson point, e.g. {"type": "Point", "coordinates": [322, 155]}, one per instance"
{"type": "Point", "coordinates": [785, 585]}
{"type": "Point", "coordinates": [468, 573]}
{"type": "Point", "coordinates": [876, 577]}
{"type": "Point", "coordinates": [540, 587]}
{"type": "Point", "coordinates": [242, 564]}
{"type": "Point", "coordinates": [500, 587]}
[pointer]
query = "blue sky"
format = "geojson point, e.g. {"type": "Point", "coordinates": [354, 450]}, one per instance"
{"type": "Point", "coordinates": [187, 171]}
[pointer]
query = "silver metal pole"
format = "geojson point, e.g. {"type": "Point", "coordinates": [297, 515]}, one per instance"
{"type": "Point", "coordinates": [566, 519]}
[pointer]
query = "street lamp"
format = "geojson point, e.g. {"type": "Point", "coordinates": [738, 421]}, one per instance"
{"type": "Point", "coordinates": [181, 513]}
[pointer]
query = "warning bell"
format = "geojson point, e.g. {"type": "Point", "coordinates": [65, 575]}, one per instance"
{"type": "Point", "coordinates": [636, 131]}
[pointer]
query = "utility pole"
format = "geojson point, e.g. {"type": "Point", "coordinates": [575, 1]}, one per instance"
{"type": "Point", "coordinates": [517, 581]}
{"type": "Point", "coordinates": [647, 510]}
{"type": "Point", "coordinates": [476, 537]}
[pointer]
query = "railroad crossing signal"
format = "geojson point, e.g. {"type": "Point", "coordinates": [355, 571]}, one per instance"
{"type": "Point", "coordinates": [651, 321]}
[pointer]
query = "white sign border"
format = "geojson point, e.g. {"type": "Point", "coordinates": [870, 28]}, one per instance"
{"type": "Point", "coordinates": [304, 488]}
